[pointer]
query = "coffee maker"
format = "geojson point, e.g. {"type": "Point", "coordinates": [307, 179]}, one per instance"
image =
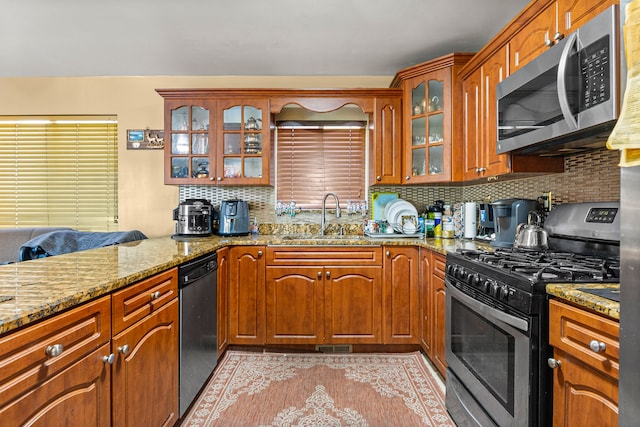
{"type": "Point", "coordinates": [194, 218]}
{"type": "Point", "coordinates": [507, 214]}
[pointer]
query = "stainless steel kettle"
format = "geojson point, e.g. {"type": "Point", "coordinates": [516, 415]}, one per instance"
{"type": "Point", "coordinates": [531, 236]}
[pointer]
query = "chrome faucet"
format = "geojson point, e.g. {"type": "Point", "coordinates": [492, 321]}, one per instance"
{"type": "Point", "coordinates": [323, 222]}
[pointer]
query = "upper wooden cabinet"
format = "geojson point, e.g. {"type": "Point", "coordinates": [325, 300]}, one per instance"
{"type": "Point", "coordinates": [385, 153]}
{"type": "Point", "coordinates": [432, 120]}
{"type": "Point", "coordinates": [554, 22]}
{"type": "Point", "coordinates": [209, 140]}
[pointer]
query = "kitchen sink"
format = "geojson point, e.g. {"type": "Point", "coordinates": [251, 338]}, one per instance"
{"type": "Point", "coordinates": [327, 239]}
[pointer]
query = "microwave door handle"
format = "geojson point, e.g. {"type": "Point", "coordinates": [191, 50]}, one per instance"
{"type": "Point", "coordinates": [562, 83]}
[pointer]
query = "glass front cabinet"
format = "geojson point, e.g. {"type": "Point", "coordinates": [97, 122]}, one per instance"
{"type": "Point", "coordinates": [432, 116]}
{"type": "Point", "coordinates": [216, 141]}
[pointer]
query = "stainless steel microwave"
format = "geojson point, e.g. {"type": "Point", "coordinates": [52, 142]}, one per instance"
{"type": "Point", "coordinates": [567, 98]}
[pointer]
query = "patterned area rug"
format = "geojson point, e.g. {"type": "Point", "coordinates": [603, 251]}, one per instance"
{"type": "Point", "coordinates": [274, 389]}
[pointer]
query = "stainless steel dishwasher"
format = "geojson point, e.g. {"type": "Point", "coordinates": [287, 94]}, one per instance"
{"type": "Point", "coordinates": [198, 325]}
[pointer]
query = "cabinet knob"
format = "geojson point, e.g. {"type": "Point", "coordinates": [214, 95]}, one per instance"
{"type": "Point", "coordinates": [548, 43]}
{"type": "Point", "coordinates": [319, 275]}
{"type": "Point", "coordinates": [124, 349]}
{"type": "Point", "coordinates": [597, 346]}
{"type": "Point", "coordinates": [388, 254]}
{"type": "Point", "coordinates": [154, 295]}
{"type": "Point", "coordinates": [109, 359]}
{"type": "Point", "coordinates": [219, 178]}
{"type": "Point", "coordinates": [259, 254]}
{"type": "Point", "coordinates": [211, 178]}
{"type": "Point", "coordinates": [378, 178]}
{"type": "Point", "coordinates": [54, 350]}
{"type": "Point", "coordinates": [328, 274]}
{"type": "Point", "coordinates": [480, 170]}
{"type": "Point", "coordinates": [407, 177]}
{"type": "Point", "coordinates": [558, 36]}
{"type": "Point", "coordinates": [553, 363]}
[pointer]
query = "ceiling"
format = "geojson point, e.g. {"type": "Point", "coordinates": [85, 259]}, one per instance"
{"type": "Point", "coordinates": [44, 38]}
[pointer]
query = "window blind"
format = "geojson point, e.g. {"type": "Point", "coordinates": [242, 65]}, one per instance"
{"type": "Point", "coordinates": [314, 160]}
{"type": "Point", "coordinates": [59, 171]}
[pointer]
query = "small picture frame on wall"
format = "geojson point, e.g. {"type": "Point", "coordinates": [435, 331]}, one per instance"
{"type": "Point", "coordinates": [145, 139]}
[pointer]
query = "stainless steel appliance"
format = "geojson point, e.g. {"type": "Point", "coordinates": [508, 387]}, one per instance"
{"type": "Point", "coordinates": [234, 218]}
{"type": "Point", "coordinates": [487, 226]}
{"type": "Point", "coordinates": [496, 310]}
{"type": "Point", "coordinates": [194, 217]}
{"type": "Point", "coordinates": [567, 96]}
{"type": "Point", "coordinates": [198, 325]}
{"type": "Point", "coordinates": [507, 214]}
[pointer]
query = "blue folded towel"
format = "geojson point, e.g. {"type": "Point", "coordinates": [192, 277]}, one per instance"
{"type": "Point", "coordinates": [67, 241]}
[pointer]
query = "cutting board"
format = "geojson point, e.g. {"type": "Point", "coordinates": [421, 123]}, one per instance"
{"type": "Point", "coordinates": [378, 202]}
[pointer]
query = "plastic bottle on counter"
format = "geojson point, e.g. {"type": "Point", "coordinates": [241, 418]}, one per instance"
{"type": "Point", "coordinates": [429, 222]}
{"type": "Point", "coordinates": [437, 221]}
{"type": "Point", "coordinates": [448, 226]}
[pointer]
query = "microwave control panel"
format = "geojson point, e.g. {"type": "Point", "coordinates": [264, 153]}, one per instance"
{"type": "Point", "coordinates": [594, 67]}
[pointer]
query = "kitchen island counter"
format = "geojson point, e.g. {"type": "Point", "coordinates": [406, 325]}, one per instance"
{"type": "Point", "coordinates": [34, 290]}
{"type": "Point", "coordinates": [572, 292]}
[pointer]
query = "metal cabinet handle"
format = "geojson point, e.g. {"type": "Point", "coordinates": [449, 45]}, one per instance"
{"type": "Point", "coordinates": [54, 350]}
{"type": "Point", "coordinates": [548, 43]}
{"type": "Point", "coordinates": [558, 36]}
{"type": "Point", "coordinates": [482, 170]}
{"type": "Point", "coordinates": [259, 254]}
{"type": "Point", "coordinates": [378, 178]}
{"type": "Point", "coordinates": [553, 363]}
{"type": "Point", "coordinates": [155, 295]}
{"type": "Point", "coordinates": [211, 178]}
{"type": "Point", "coordinates": [328, 274]}
{"type": "Point", "coordinates": [597, 346]}
{"type": "Point", "coordinates": [388, 254]}
{"type": "Point", "coordinates": [319, 275]}
{"type": "Point", "coordinates": [109, 359]}
{"type": "Point", "coordinates": [123, 349]}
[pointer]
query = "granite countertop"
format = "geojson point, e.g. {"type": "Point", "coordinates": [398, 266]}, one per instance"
{"type": "Point", "coordinates": [572, 292]}
{"type": "Point", "coordinates": [33, 290]}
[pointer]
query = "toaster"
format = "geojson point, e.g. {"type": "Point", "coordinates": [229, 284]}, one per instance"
{"type": "Point", "coordinates": [233, 219]}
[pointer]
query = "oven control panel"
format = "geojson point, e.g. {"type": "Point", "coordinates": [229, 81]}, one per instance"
{"type": "Point", "coordinates": [602, 215]}
{"type": "Point", "coordinates": [477, 284]}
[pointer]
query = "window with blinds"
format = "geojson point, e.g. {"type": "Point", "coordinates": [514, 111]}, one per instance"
{"type": "Point", "coordinates": [59, 171]}
{"type": "Point", "coordinates": [314, 160]}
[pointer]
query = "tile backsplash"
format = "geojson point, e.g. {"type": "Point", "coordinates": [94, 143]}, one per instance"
{"type": "Point", "coordinates": [588, 177]}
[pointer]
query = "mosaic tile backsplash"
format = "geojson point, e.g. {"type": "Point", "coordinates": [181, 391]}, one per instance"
{"type": "Point", "coordinates": [588, 177]}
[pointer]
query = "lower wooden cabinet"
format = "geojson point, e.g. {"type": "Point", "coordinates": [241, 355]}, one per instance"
{"type": "Point", "coordinates": [223, 300]}
{"type": "Point", "coordinates": [247, 295]}
{"type": "Point", "coordinates": [426, 331]}
{"type": "Point", "coordinates": [438, 312]}
{"type": "Point", "coordinates": [54, 373]}
{"type": "Point", "coordinates": [145, 367]}
{"type": "Point", "coordinates": [401, 295]}
{"type": "Point", "coordinates": [586, 361]}
{"type": "Point", "coordinates": [320, 302]}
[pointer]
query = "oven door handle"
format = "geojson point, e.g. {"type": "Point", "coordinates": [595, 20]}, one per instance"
{"type": "Point", "coordinates": [486, 310]}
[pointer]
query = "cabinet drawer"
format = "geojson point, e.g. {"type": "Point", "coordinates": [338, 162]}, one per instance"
{"type": "Point", "coordinates": [143, 298]}
{"type": "Point", "coordinates": [574, 330]}
{"type": "Point", "coordinates": [324, 256]}
{"type": "Point", "coordinates": [24, 359]}
{"type": "Point", "coordinates": [439, 265]}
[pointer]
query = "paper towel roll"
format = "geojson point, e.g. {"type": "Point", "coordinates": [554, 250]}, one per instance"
{"type": "Point", "coordinates": [470, 220]}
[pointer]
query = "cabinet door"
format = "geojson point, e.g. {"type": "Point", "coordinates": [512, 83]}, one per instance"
{"type": "Point", "coordinates": [472, 124]}
{"type": "Point", "coordinates": [400, 295]}
{"type": "Point", "coordinates": [533, 39]}
{"type": "Point", "coordinates": [77, 396]}
{"type": "Point", "coordinates": [294, 305]}
{"type": "Point", "coordinates": [242, 141]}
{"type": "Point", "coordinates": [572, 14]}
{"type": "Point", "coordinates": [582, 396]}
{"type": "Point", "coordinates": [247, 295]}
{"type": "Point", "coordinates": [223, 299]}
{"type": "Point", "coordinates": [493, 72]}
{"type": "Point", "coordinates": [426, 330]}
{"type": "Point", "coordinates": [386, 152]}
{"type": "Point", "coordinates": [145, 372]}
{"type": "Point", "coordinates": [353, 304]}
{"type": "Point", "coordinates": [438, 317]}
{"type": "Point", "coordinates": [189, 153]}
{"type": "Point", "coordinates": [428, 143]}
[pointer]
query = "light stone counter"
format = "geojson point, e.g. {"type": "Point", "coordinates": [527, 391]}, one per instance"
{"type": "Point", "coordinates": [571, 292]}
{"type": "Point", "coordinates": [36, 289]}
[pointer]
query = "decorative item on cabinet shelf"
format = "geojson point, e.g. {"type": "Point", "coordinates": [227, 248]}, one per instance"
{"type": "Point", "coordinates": [145, 139]}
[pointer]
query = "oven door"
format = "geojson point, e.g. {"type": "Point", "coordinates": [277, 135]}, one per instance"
{"type": "Point", "coordinates": [487, 353]}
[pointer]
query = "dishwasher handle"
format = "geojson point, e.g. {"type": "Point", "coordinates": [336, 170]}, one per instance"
{"type": "Point", "coordinates": [196, 270]}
